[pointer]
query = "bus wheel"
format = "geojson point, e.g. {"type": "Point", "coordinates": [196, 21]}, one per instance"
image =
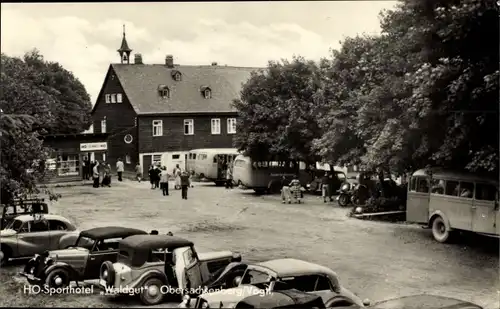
{"type": "Point", "coordinates": [439, 231]}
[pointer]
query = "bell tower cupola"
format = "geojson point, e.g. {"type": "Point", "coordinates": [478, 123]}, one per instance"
{"type": "Point", "coordinates": [124, 50]}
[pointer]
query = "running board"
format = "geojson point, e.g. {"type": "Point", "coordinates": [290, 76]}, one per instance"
{"type": "Point", "coordinates": [380, 213]}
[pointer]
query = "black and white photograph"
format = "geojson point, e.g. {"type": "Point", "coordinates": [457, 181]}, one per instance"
{"type": "Point", "coordinates": [239, 154]}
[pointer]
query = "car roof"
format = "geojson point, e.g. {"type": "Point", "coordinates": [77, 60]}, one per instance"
{"type": "Point", "coordinates": [438, 172]}
{"type": "Point", "coordinates": [293, 267]}
{"type": "Point", "coordinates": [424, 301]}
{"type": "Point", "coordinates": [25, 218]}
{"type": "Point", "coordinates": [111, 232]}
{"type": "Point", "coordinates": [155, 241]}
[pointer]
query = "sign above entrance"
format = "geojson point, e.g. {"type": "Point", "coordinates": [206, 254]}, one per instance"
{"type": "Point", "coordinates": [93, 146]}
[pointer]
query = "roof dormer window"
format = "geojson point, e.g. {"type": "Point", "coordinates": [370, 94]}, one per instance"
{"type": "Point", "coordinates": [164, 91]}
{"type": "Point", "coordinates": [206, 92]}
{"type": "Point", "coordinates": [176, 75]}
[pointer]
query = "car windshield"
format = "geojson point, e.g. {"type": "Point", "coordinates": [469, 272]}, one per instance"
{"type": "Point", "coordinates": [15, 225]}
{"type": "Point", "coordinates": [85, 242]}
{"type": "Point", "coordinates": [257, 278]}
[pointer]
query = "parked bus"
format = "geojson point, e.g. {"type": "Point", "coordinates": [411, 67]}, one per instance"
{"type": "Point", "coordinates": [207, 163]}
{"type": "Point", "coordinates": [448, 201]}
{"type": "Point", "coordinates": [265, 176]}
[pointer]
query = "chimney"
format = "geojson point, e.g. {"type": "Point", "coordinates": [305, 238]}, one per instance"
{"type": "Point", "coordinates": [169, 61]}
{"type": "Point", "coordinates": [138, 59]}
{"type": "Point", "coordinates": [214, 64]}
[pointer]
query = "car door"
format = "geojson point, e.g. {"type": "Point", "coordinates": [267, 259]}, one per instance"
{"type": "Point", "coordinates": [103, 250]}
{"type": "Point", "coordinates": [323, 288]}
{"type": "Point", "coordinates": [193, 272]}
{"type": "Point", "coordinates": [33, 238]}
{"type": "Point", "coordinates": [485, 209]}
{"type": "Point", "coordinates": [57, 229]}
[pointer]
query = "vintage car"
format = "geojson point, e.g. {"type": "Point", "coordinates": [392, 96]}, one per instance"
{"type": "Point", "coordinates": [79, 262]}
{"type": "Point", "coordinates": [33, 234]}
{"type": "Point", "coordinates": [282, 274]}
{"type": "Point", "coordinates": [283, 299]}
{"type": "Point", "coordinates": [161, 265]}
{"type": "Point", "coordinates": [421, 301]}
{"type": "Point", "coordinates": [314, 186]}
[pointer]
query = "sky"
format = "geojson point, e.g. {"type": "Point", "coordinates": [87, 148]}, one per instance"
{"type": "Point", "coordinates": [84, 37]}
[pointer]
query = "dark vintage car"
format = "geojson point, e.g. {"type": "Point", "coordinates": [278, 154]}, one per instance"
{"type": "Point", "coordinates": [422, 301]}
{"type": "Point", "coordinates": [80, 262]}
{"type": "Point", "coordinates": [314, 186]}
{"type": "Point", "coordinates": [151, 265]}
{"type": "Point", "coordinates": [282, 299]}
{"type": "Point", "coordinates": [278, 275]}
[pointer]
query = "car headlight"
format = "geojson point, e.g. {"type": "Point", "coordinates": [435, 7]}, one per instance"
{"type": "Point", "coordinates": [48, 260]}
{"type": "Point", "coordinates": [345, 187]}
{"type": "Point", "coordinates": [205, 305]}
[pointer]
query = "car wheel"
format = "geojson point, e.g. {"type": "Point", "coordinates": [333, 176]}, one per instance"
{"type": "Point", "coordinates": [58, 278]}
{"type": "Point", "coordinates": [343, 200]}
{"type": "Point", "coordinates": [107, 273]}
{"type": "Point", "coordinates": [151, 293]}
{"type": "Point", "coordinates": [5, 255]}
{"type": "Point", "coordinates": [234, 279]}
{"type": "Point", "coordinates": [339, 302]}
{"type": "Point", "coordinates": [439, 230]}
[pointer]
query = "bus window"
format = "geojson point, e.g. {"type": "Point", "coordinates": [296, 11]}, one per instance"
{"type": "Point", "coordinates": [451, 188]}
{"type": "Point", "coordinates": [176, 157]}
{"type": "Point", "coordinates": [437, 186]}
{"type": "Point", "coordinates": [194, 155]}
{"type": "Point", "coordinates": [215, 159]}
{"type": "Point", "coordinates": [413, 184]}
{"type": "Point", "coordinates": [466, 189]}
{"type": "Point", "coordinates": [485, 192]}
{"type": "Point", "coordinates": [422, 185]}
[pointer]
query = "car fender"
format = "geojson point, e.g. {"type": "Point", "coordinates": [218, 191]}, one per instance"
{"type": "Point", "coordinates": [148, 275]}
{"type": "Point", "coordinates": [10, 245]}
{"type": "Point", "coordinates": [442, 215]}
{"type": "Point", "coordinates": [61, 265]}
{"type": "Point", "coordinates": [68, 240]}
{"type": "Point", "coordinates": [228, 270]}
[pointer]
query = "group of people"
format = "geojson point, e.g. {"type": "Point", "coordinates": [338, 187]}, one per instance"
{"type": "Point", "coordinates": [291, 190]}
{"type": "Point", "coordinates": [158, 177]}
{"type": "Point", "coordinates": [101, 172]}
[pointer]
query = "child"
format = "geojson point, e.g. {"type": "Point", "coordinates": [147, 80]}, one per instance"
{"type": "Point", "coordinates": [164, 181]}
{"type": "Point", "coordinates": [185, 183]}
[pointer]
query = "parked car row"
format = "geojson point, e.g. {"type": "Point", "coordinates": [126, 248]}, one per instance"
{"type": "Point", "coordinates": [152, 265]}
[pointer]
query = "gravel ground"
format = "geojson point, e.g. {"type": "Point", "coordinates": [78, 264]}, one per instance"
{"type": "Point", "coordinates": [375, 260]}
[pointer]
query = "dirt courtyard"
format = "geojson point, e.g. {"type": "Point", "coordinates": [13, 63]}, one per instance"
{"type": "Point", "coordinates": [375, 260]}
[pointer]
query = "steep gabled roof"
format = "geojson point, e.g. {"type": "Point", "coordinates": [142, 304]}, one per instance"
{"type": "Point", "coordinates": [140, 83]}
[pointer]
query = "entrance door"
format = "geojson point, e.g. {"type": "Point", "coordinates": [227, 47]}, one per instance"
{"type": "Point", "coordinates": [485, 209]}
{"type": "Point", "coordinates": [417, 209]}
{"type": "Point", "coordinates": [147, 160]}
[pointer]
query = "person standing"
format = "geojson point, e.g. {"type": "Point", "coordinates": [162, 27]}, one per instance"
{"type": "Point", "coordinates": [325, 182]}
{"type": "Point", "coordinates": [286, 194]}
{"type": "Point", "coordinates": [185, 183]}
{"type": "Point", "coordinates": [151, 174]}
{"type": "Point", "coordinates": [164, 181]}
{"type": "Point", "coordinates": [95, 174]}
{"type": "Point", "coordinates": [120, 168]}
{"type": "Point", "coordinates": [229, 177]}
{"type": "Point", "coordinates": [138, 172]}
{"type": "Point", "coordinates": [84, 169]}
{"type": "Point", "coordinates": [157, 173]}
{"type": "Point", "coordinates": [177, 175]}
{"type": "Point", "coordinates": [106, 178]}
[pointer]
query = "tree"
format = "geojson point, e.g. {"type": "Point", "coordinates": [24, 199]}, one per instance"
{"type": "Point", "coordinates": [37, 97]}
{"type": "Point", "coordinates": [425, 92]}
{"type": "Point", "coordinates": [71, 107]}
{"type": "Point", "coordinates": [277, 112]}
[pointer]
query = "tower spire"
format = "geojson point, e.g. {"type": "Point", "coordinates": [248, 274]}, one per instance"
{"type": "Point", "coordinates": [124, 50]}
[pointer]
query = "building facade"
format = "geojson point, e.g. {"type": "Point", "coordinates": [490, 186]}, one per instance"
{"type": "Point", "coordinates": [158, 112]}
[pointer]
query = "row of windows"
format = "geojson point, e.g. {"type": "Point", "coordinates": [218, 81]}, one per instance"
{"type": "Point", "coordinates": [114, 98]}
{"type": "Point", "coordinates": [464, 189]}
{"type": "Point", "coordinates": [189, 126]}
{"type": "Point", "coordinates": [164, 93]}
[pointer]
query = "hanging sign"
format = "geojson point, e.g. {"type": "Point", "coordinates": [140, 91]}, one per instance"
{"type": "Point", "coordinates": [93, 146]}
